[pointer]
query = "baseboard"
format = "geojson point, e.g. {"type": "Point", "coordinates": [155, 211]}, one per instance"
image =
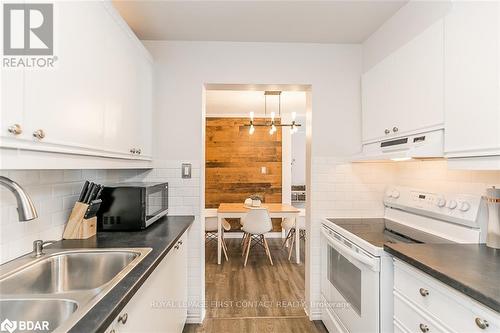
{"type": "Point", "coordinates": [194, 318]}
{"type": "Point", "coordinates": [237, 234]}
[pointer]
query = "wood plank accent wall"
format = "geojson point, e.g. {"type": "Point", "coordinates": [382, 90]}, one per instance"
{"type": "Point", "coordinates": [234, 159]}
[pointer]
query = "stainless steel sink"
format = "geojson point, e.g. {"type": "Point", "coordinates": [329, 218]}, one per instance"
{"type": "Point", "coordinates": [61, 286]}
{"type": "Point", "coordinates": [47, 313]}
{"type": "Point", "coordinates": [68, 272]}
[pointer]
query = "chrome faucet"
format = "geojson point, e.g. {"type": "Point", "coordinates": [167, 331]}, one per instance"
{"type": "Point", "coordinates": [25, 207]}
{"type": "Point", "coordinates": [38, 247]}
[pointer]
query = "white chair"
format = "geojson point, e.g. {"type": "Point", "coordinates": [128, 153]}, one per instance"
{"type": "Point", "coordinates": [289, 226]}
{"type": "Point", "coordinates": [255, 225]}
{"type": "Point", "coordinates": [211, 229]}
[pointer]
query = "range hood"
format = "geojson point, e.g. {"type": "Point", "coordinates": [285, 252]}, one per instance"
{"type": "Point", "coordinates": [416, 146]}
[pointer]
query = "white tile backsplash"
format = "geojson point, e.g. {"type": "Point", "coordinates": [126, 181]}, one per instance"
{"type": "Point", "coordinates": [54, 193]}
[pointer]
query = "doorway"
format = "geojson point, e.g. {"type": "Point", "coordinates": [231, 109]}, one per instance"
{"type": "Point", "coordinates": [241, 162]}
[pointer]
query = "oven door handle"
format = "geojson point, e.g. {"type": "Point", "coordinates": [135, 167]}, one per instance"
{"type": "Point", "coordinates": [349, 253]}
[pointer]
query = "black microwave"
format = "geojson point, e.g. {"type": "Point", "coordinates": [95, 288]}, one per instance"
{"type": "Point", "coordinates": [132, 206]}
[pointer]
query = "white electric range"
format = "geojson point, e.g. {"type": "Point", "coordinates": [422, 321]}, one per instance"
{"type": "Point", "coordinates": [356, 272]}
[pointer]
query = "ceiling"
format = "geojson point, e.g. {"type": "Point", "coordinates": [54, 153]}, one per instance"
{"type": "Point", "coordinates": [239, 103]}
{"type": "Point", "coordinates": [257, 21]}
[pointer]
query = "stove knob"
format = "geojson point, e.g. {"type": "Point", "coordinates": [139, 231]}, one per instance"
{"type": "Point", "coordinates": [464, 206]}
{"type": "Point", "coordinates": [441, 202]}
{"type": "Point", "coordinates": [395, 194]}
{"type": "Point", "coordinates": [452, 204]}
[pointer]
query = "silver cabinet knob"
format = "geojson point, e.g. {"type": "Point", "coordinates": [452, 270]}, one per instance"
{"type": "Point", "coordinates": [481, 323]}
{"type": "Point", "coordinates": [133, 150]}
{"type": "Point", "coordinates": [39, 134]}
{"type": "Point", "coordinates": [387, 131]}
{"type": "Point", "coordinates": [424, 292]}
{"type": "Point", "coordinates": [395, 129]}
{"type": "Point", "coordinates": [15, 129]}
{"type": "Point", "coordinates": [123, 318]}
{"type": "Point", "coordinates": [424, 328]}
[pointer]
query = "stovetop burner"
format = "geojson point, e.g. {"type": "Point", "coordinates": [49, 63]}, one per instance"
{"type": "Point", "coordinates": [372, 230]}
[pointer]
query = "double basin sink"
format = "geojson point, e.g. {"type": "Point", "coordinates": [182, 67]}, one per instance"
{"type": "Point", "coordinates": [54, 291]}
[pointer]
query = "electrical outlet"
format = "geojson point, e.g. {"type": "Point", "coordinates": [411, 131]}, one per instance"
{"type": "Point", "coordinates": [263, 170]}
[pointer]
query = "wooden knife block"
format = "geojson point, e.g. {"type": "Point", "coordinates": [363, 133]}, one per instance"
{"type": "Point", "coordinates": [77, 226]}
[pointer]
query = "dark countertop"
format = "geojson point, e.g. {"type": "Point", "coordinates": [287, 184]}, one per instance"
{"type": "Point", "coordinates": [372, 230]}
{"type": "Point", "coordinates": [161, 237]}
{"type": "Point", "coordinates": [472, 269]}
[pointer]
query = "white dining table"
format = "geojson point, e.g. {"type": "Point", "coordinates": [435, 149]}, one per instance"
{"type": "Point", "coordinates": [239, 210]}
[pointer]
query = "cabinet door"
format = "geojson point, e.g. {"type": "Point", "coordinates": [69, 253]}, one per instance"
{"type": "Point", "coordinates": [129, 98]}
{"type": "Point", "coordinates": [67, 102]}
{"type": "Point", "coordinates": [160, 304]}
{"type": "Point", "coordinates": [472, 33]}
{"type": "Point", "coordinates": [12, 103]}
{"type": "Point", "coordinates": [404, 93]}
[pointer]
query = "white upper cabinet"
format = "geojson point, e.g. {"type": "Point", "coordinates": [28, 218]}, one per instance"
{"type": "Point", "coordinates": [403, 94]}
{"type": "Point", "coordinates": [96, 101]}
{"type": "Point", "coordinates": [472, 89]}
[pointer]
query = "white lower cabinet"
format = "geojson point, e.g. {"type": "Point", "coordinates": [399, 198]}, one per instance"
{"type": "Point", "coordinates": [424, 304]}
{"type": "Point", "coordinates": [160, 303]}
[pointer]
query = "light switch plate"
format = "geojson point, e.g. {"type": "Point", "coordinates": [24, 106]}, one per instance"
{"type": "Point", "coordinates": [186, 170]}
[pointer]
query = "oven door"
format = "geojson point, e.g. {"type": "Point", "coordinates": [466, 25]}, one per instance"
{"type": "Point", "coordinates": [350, 283]}
{"type": "Point", "coordinates": [156, 202]}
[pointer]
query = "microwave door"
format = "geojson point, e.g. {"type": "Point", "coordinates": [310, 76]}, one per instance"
{"type": "Point", "coordinates": [156, 203]}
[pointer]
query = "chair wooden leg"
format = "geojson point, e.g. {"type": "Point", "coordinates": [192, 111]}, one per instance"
{"type": "Point", "coordinates": [290, 249]}
{"type": "Point", "coordinates": [244, 243]}
{"type": "Point", "coordinates": [289, 234]}
{"type": "Point", "coordinates": [224, 249]}
{"type": "Point", "coordinates": [243, 240]}
{"type": "Point", "coordinates": [267, 249]}
{"type": "Point", "coordinates": [249, 242]}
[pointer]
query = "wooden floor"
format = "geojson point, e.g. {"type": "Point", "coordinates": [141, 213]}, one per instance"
{"type": "Point", "coordinates": [255, 298]}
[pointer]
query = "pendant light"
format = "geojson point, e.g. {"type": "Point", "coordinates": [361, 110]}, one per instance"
{"type": "Point", "coordinates": [293, 126]}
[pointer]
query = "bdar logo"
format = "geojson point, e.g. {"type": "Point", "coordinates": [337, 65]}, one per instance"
{"type": "Point", "coordinates": [28, 29]}
{"type": "Point", "coordinates": [8, 325]}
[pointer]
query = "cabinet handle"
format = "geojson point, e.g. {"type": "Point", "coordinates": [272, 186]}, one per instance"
{"type": "Point", "coordinates": [481, 323]}
{"type": "Point", "coordinates": [15, 129]}
{"type": "Point", "coordinates": [39, 134]}
{"type": "Point", "coordinates": [424, 328]}
{"type": "Point", "coordinates": [179, 242]}
{"type": "Point", "coordinates": [176, 247]}
{"type": "Point", "coordinates": [387, 131]}
{"type": "Point", "coordinates": [138, 151]}
{"type": "Point", "coordinates": [424, 292]}
{"type": "Point", "coordinates": [133, 151]}
{"type": "Point", "coordinates": [395, 129]}
{"type": "Point", "coordinates": [123, 318]}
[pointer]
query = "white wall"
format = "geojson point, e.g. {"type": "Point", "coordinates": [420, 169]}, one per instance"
{"type": "Point", "coordinates": [182, 69]}
{"type": "Point", "coordinates": [404, 25]}
{"type": "Point", "coordinates": [298, 152]}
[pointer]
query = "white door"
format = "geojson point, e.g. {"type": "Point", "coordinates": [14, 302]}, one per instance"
{"type": "Point", "coordinates": [472, 66]}
{"type": "Point", "coordinates": [12, 104]}
{"type": "Point", "coordinates": [351, 283]}
{"type": "Point", "coordinates": [404, 93]}
{"type": "Point", "coordinates": [67, 102]}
